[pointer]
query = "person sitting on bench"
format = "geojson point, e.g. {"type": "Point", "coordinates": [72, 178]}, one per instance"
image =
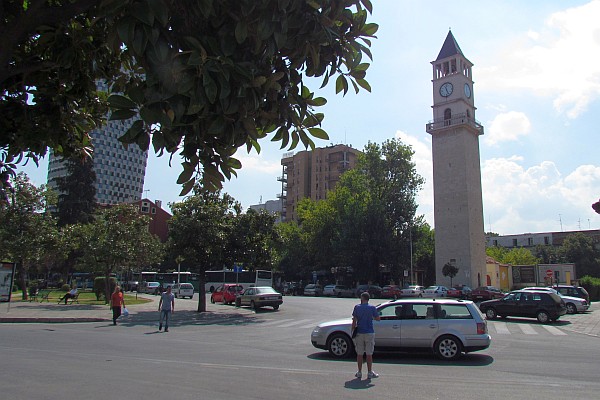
{"type": "Point", "coordinates": [71, 294]}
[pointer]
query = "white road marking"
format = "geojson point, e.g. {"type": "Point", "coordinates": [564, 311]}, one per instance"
{"type": "Point", "coordinates": [298, 322]}
{"type": "Point", "coordinates": [553, 330]}
{"type": "Point", "coordinates": [501, 328]}
{"type": "Point", "coordinates": [528, 329]}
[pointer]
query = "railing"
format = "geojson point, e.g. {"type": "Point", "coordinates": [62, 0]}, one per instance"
{"type": "Point", "coordinates": [460, 119]}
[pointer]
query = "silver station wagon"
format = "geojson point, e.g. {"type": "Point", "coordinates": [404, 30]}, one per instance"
{"type": "Point", "coordinates": [447, 327]}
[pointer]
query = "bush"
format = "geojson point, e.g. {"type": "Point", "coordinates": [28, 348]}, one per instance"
{"type": "Point", "coordinates": [100, 286]}
{"type": "Point", "coordinates": [65, 288]}
{"type": "Point", "coordinates": [592, 285]}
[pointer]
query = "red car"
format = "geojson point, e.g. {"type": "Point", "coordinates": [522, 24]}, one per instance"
{"type": "Point", "coordinates": [226, 293]}
{"type": "Point", "coordinates": [391, 292]}
{"type": "Point", "coordinates": [460, 292]}
{"type": "Point", "coordinates": [486, 293]}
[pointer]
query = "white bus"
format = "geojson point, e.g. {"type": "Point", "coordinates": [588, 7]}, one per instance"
{"type": "Point", "coordinates": [214, 279]}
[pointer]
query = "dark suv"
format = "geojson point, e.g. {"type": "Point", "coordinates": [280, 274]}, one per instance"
{"type": "Point", "coordinates": [544, 306]}
{"type": "Point", "coordinates": [573, 291]}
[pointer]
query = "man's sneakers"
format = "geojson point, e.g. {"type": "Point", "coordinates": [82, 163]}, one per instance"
{"type": "Point", "coordinates": [160, 327]}
{"type": "Point", "coordinates": [370, 375]}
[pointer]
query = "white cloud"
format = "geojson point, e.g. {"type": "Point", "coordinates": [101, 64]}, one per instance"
{"type": "Point", "coordinates": [258, 163]}
{"type": "Point", "coordinates": [508, 126]}
{"type": "Point", "coordinates": [539, 198]}
{"type": "Point", "coordinates": [557, 61]}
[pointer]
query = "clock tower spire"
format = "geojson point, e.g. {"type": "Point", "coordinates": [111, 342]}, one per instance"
{"type": "Point", "coordinates": [458, 206]}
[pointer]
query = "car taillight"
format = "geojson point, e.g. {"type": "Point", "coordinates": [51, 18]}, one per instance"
{"type": "Point", "coordinates": [481, 328]}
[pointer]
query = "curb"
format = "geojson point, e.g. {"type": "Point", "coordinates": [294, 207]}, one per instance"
{"type": "Point", "coordinates": [13, 320]}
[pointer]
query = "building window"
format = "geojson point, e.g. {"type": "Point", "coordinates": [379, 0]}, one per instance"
{"type": "Point", "coordinates": [153, 210]}
{"type": "Point", "coordinates": [546, 240]}
{"type": "Point", "coordinates": [145, 207]}
{"type": "Point", "coordinates": [514, 242]}
{"type": "Point", "coordinates": [495, 243]}
{"type": "Point", "coordinates": [447, 116]}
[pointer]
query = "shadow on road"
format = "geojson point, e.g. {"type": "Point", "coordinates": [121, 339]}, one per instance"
{"type": "Point", "coordinates": [413, 358]}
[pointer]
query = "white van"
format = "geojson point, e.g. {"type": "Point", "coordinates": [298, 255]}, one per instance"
{"type": "Point", "coordinates": [183, 290]}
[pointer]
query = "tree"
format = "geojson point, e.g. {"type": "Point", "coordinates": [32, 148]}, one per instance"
{"type": "Point", "coordinates": [28, 235]}
{"type": "Point", "coordinates": [596, 206]}
{"type": "Point", "coordinates": [579, 249]}
{"type": "Point", "coordinates": [252, 239]}
{"type": "Point", "coordinates": [200, 230]}
{"type": "Point", "coordinates": [118, 238]}
{"type": "Point", "coordinates": [203, 78]}
{"type": "Point", "coordinates": [450, 270]}
{"type": "Point", "coordinates": [514, 256]}
{"type": "Point", "coordinates": [76, 198]}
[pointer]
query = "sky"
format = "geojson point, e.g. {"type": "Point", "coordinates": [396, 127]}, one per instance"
{"type": "Point", "coordinates": [536, 88]}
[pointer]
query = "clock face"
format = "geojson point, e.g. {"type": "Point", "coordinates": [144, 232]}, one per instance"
{"type": "Point", "coordinates": [446, 89]}
{"type": "Point", "coordinates": [467, 90]}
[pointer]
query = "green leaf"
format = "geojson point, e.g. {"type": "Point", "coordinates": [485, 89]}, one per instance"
{"type": "Point", "coordinates": [364, 84]}
{"type": "Point", "coordinates": [120, 101]}
{"type": "Point", "coordinates": [241, 31]}
{"type": "Point", "coordinates": [122, 115]}
{"type": "Point", "coordinates": [370, 29]}
{"type": "Point", "coordinates": [341, 84]}
{"type": "Point", "coordinates": [367, 4]}
{"type": "Point", "coordinates": [186, 175]}
{"type": "Point", "coordinates": [189, 185]}
{"type": "Point", "coordinates": [142, 12]}
{"type": "Point", "coordinates": [318, 133]}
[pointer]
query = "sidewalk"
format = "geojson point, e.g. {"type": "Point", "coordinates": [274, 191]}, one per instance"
{"type": "Point", "coordinates": [34, 312]}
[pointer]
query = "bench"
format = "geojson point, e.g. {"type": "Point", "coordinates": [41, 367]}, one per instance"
{"type": "Point", "coordinates": [43, 295]}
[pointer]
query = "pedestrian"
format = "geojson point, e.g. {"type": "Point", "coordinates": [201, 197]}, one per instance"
{"type": "Point", "coordinates": [364, 341]}
{"type": "Point", "coordinates": [116, 301]}
{"type": "Point", "coordinates": [166, 306]}
{"type": "Point", "coordinates": [69, 295]}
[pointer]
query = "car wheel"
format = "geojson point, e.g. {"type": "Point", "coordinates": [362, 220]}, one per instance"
{"type": "Point", "coordinates": [253, 306]}
{"type": "Point", "coordinates": [571, 309]}
{"type": "Point", "coordinates": [340, 345]}
{"type": "Point", "coordinates": [339, 294]}
{"type": "Point", "coordinates": [212, 299]}
{"type": "Point", "coordinates": [191, 297]}
{"type": "Point", "coordinates": [238, 302]}
{"type": "Point", "coordinates": [448, 347]}
{"type": "Point", "coordinates": [276, 307]}
{"type": "Point", "coordinates": [543, 317]}
{"type": "Point", "coordinates": [491, 313]}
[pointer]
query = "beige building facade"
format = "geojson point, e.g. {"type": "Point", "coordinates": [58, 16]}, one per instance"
{"type": "Point", "coordinates": [312, 174]}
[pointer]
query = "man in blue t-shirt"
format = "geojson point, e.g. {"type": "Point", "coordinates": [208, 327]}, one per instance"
{"type": "Point", "coordinates": [364, 342]}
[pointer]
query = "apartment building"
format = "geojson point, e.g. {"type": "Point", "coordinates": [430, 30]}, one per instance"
{"type": "Point", "coordinates": [312, 174]}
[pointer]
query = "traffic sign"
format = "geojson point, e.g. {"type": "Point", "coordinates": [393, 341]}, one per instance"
{"type": "Point", "coordinates": [549, 273]}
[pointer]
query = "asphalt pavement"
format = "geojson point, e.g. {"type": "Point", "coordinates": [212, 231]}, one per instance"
{"type": "Point", "coordinates": [587, 323]}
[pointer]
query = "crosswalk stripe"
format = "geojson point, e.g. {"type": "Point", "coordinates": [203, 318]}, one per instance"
{"type": "Point", "coordinates": [302, 321]}
{"type": "Point", "coordinates": [501, 328]}
{"type": "Point", "coordinates": [274, 322]}
{"type": "Point", "coordinates": [553, 330]}
{"type": "Point", "coordinates": [528, 329]}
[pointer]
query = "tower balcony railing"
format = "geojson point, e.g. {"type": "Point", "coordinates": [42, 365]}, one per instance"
{"type": "Point", "coordinates": [282, 178]}
{"type": "Point", "coordinates": [458, 119]}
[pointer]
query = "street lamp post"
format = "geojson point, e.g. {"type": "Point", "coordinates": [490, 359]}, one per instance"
{"type": "Point", "coordinates": [412, 282]}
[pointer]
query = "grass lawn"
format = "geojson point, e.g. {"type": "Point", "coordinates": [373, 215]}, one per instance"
{"type": "Point", "coordinates": [85, 297]}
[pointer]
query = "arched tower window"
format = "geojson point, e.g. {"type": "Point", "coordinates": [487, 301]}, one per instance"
{"type": "Point", "coordinates": [447, 116]}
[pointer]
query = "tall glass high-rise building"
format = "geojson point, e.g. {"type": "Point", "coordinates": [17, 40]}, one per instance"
{"type": "Point", "coordinates": [120, 172]}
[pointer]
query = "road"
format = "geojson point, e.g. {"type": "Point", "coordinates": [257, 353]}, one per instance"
{"type": "Point", "coordinates": [268, 355]}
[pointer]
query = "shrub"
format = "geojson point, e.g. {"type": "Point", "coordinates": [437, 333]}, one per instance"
{"type": "Point", "coordinates": [100, 286]}
{"type": "Point", "coordinates": [65, 288]}
{"type": "Point", "coordinates": [592, 285]}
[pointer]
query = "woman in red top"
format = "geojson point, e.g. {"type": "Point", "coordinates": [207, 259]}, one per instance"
{"type": "Point", "coordinates": [116, 300]}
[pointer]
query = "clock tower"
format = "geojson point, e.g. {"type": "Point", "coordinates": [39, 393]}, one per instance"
{"type": "Point", "coordinates": [458, 206]}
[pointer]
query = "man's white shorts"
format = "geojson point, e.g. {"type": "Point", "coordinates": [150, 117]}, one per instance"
{"type": "Point", "coordinates": [364, 343]}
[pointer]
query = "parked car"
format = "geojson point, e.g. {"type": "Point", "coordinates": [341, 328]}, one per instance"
{"type": "Point", "coordinates": [460, 292]}
{"type": "Point", "coordinates": [313, 290]}
{"type": "Point", "coordinates": [435, 291]}
{"type": "Point", "coordinates": [374, 290]}
{"type": "Point", "coordinates": [292, 289]}
{"type": "Point", "coordinates": [448, 327]}
{"type": "Point", "coordinates": [573, 304]}
{"type": "Point", "coordinates": [574, 291]}
{"type": "Point", "coordinates": [544, 306]}
{"type": "Point", "coordinates": [483, 293]}
{"type": "Point", "coordinates": [412, 291]}
{"type": "Point", "coordinates": [151, 288]}
{"type": "Point", "coordinates": [183, 290]}
{"type": "Point", "coordinates": [391, 292]}
{"type": "Point", "coordinates": [257, 297]}
{"type": "Point", "coordinates": [226, 293]}
{"type": "Point", "coordinates": [338, 291]}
